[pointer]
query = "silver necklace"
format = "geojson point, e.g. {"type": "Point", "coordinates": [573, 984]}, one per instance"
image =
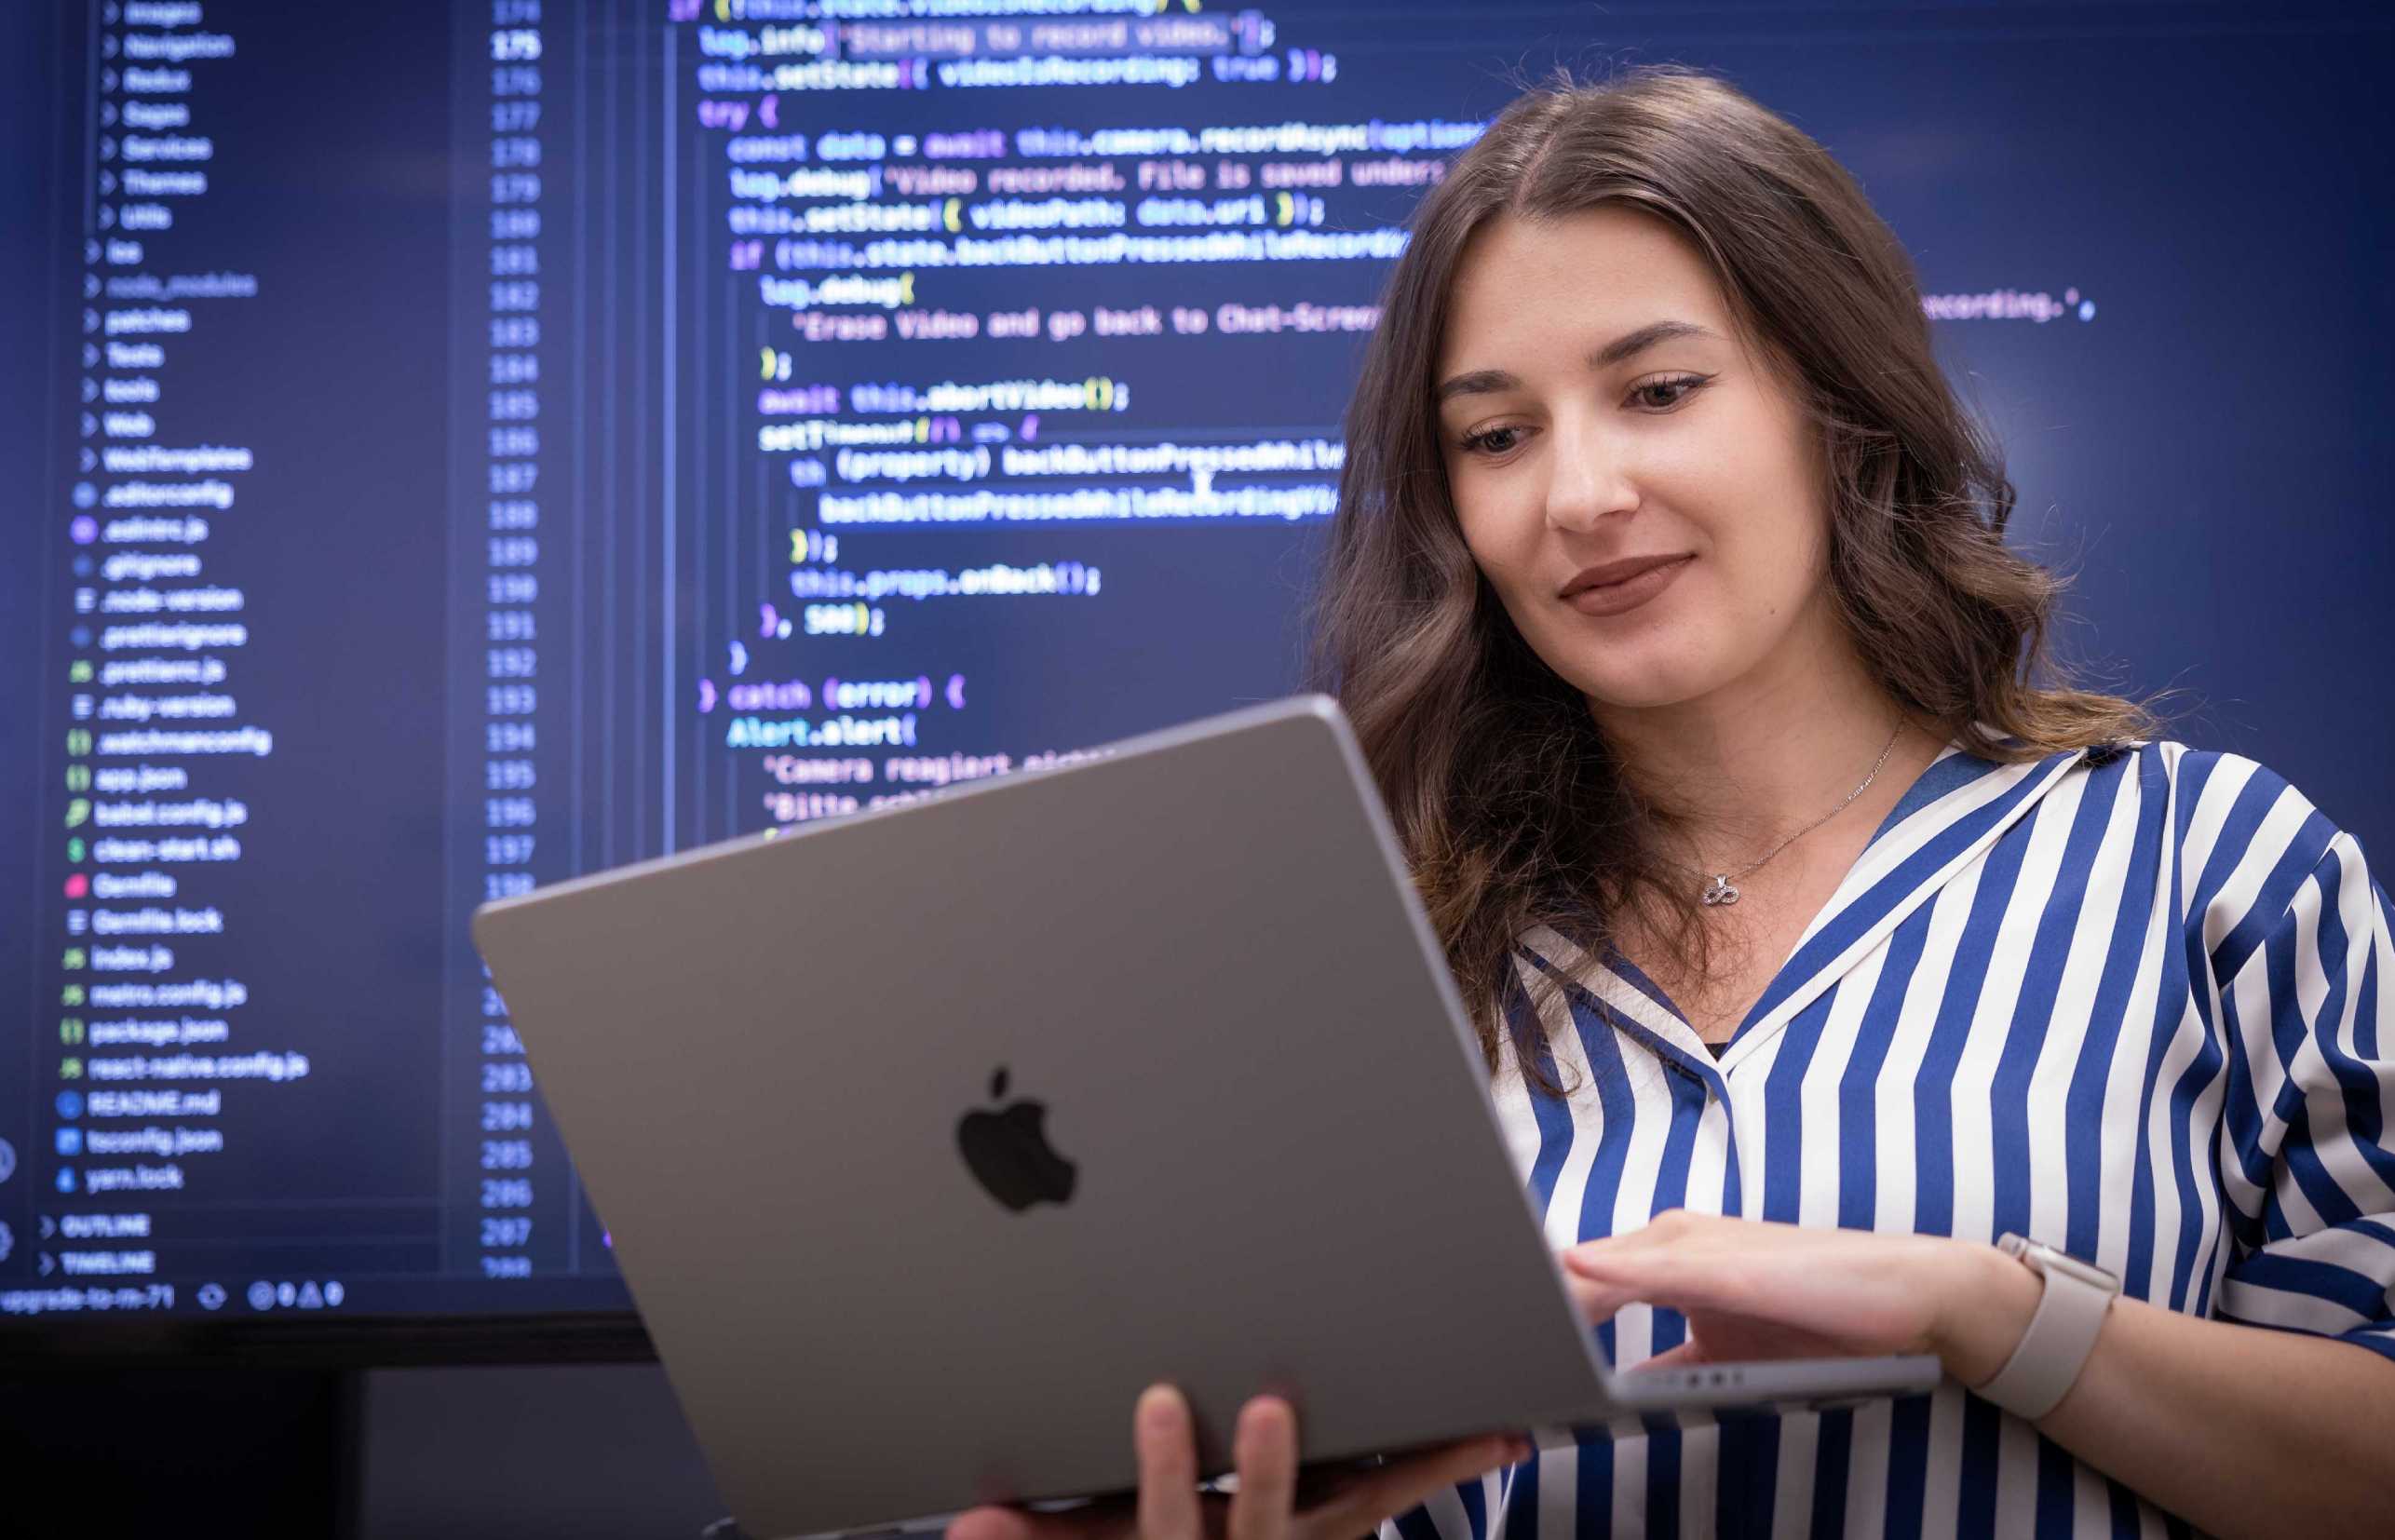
{"type": "Point", "coordinates": [1723, 889]}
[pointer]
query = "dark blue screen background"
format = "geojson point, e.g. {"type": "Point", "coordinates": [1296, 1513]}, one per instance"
{"type": "Point", "coordinates": [2203, 451]}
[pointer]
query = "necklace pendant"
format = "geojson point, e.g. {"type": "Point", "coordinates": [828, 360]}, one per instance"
{"type": "Point", "coordinates": [1719, 890]}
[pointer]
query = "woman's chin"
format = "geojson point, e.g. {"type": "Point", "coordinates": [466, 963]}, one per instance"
{"type": "Point", "coordinates": [1649, 690]}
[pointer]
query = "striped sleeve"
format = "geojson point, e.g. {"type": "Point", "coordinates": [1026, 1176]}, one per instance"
{"type": "Point", "coordinates": [2306, 1013]}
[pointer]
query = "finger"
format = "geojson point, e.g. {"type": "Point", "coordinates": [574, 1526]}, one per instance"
{"type": "Point", "coordinates": [1678, 1279]}
{"type": "Point", "coordinates": [1601, 1303]}
{"type": "Point", "coordinates": [1671, 1227]}
{"type": "Point", "coordinates": [1167, 1445]}
{"type": "Point", "coordinates": [1687, 1355]}
{"type": "Point", "coordinates": [1373, 1496]}
{"type": "Point", "coordinates": [990, 1524]}
{"type": "Point", "coordinates": [1617, 1250]}
{"type": "Point", "coordinates": [1264, 1453]}
{"type": "Point", "coordinates": [1596, 1301]}
{"type": "Point", "coordinates": [1002, 1523]}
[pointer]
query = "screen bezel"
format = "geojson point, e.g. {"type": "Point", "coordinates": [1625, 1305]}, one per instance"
{"type": "Point", "coordinates": [359, 1342]}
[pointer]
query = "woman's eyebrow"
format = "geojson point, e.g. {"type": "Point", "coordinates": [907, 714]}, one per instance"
{"type": "Point", "coordinates": [1488, 382]}
{"type": "Point", "coordinates": [1629, 345]}
{"type": "Point", "coordinates": [1480, 381]}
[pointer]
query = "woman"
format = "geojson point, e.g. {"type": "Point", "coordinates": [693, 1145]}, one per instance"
{"type": "Point", "coordinates": [1820, 938]}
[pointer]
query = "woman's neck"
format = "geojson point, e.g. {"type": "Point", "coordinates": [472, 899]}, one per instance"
{"type": "Point", "coordinates": [1770, 752]}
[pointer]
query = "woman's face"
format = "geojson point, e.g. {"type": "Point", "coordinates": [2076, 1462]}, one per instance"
{"type": "Point", "coordinates": [1642, 491]}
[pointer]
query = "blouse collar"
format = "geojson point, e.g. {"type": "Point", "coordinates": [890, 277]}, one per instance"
{"type": "Point", "coordinates": [1949, 817]}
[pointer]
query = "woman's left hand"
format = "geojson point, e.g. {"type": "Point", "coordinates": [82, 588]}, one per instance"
{"type": "Point", "coordinates": [1752, 1289]}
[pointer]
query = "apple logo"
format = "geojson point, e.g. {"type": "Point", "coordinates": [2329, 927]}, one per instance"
{"type": "Point", "coordinates": [1008, 1153]}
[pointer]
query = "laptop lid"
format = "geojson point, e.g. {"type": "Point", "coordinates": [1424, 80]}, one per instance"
{"type": "Point", "coordinates": [800, 1077]}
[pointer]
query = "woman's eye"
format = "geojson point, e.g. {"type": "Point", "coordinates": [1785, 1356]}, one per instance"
{"type": "Point", "coordinates": [1492, 440]}
{"type": "Point", "coordinates": [1662, 395]}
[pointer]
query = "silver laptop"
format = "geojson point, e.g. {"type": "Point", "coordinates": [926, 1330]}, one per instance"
{"type": "Point", "coordinates": [928, 1137]}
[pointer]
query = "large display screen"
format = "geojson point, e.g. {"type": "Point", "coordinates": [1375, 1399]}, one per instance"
{"type": "Point", "coordinates": [453, 446]}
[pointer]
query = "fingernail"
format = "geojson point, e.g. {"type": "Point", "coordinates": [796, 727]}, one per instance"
{"type": "Point", "coordinates": [1159, 1409]}
{"type": "Point", "coordinates": [1262, 1412]}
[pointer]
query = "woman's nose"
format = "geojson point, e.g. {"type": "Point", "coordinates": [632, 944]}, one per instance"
{"type": "Point", "coordinates": [1587, 479]}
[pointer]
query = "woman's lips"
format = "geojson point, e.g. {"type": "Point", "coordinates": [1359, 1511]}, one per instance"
{"type": "Point", "coordinates": [1628, 592]}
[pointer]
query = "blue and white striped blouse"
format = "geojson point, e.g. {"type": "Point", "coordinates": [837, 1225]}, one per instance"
{"type": "Point", "coordinates": [2137, 1003]}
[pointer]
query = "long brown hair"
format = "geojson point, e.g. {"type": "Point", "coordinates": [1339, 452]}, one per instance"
{"type": "Point", "coordinates": [1510, 804]}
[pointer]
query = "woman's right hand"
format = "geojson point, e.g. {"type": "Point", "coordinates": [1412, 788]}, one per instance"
{"type": "Point", "coordinates": [1269, 1504]}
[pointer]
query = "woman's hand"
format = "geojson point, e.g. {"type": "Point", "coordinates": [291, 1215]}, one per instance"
{"type": "Point", "coordinates": [2239, 1430]}
{"type": "Point", "coordinates": [1755, 1291]}
{"type": "Point", "coordinates": [1271, 1504]}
